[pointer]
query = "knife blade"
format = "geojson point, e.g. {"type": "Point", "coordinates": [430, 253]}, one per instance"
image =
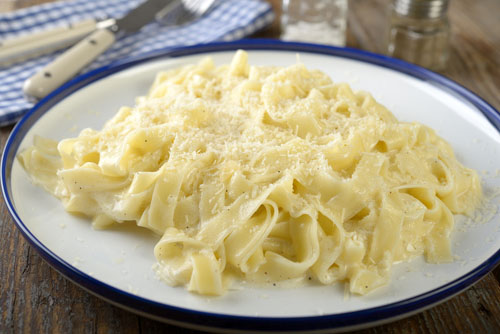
{"type": "Point", "coordinates": [80, 55]}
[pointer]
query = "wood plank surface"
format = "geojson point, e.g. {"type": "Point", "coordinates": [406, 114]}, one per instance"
{"type": "Point", "coordinates": [34, 298]}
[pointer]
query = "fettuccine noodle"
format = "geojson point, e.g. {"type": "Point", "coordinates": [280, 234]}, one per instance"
{"type": "Point", "coordinates": [265, 174]}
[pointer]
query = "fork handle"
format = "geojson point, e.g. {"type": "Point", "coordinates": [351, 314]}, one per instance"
{"type": "Point", "coordinates": [68, 64]}
{"type": "Point", "coordinates": [25, 47]}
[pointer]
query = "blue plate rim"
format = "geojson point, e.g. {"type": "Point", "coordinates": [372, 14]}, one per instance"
{"type": "Point", "coordinates": [213, 321]}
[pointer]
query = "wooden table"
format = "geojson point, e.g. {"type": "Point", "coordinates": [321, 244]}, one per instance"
{"type": "Point", "coordinates": [34, 298]}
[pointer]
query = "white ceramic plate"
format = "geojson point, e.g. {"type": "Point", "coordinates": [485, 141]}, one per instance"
{"type": "Point", "coordinates": [116, 264]}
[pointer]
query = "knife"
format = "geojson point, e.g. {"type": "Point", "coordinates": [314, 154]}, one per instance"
{"type": "Point", "coordinates": [22, 48]}
{"type": "Point", "coordinates": [80, 55]}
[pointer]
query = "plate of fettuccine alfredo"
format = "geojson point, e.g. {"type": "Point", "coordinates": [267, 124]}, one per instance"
{"type": "Point", "coordinates": [261, 186]}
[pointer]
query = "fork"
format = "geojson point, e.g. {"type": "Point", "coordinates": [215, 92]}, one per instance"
{"type": "Point", "coordinates": [183, 11]}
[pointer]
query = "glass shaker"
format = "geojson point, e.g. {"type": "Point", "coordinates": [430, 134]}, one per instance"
{"type": "Point", "coordinates": [418, 32]}
{"type": "Point", "coordinates": [315, 21]}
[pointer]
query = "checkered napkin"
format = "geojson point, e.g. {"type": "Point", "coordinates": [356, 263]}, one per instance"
{"type": "Point", "coordinates": [227, 20]}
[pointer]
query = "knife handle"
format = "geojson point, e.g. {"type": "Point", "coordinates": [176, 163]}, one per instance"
{"type": "Point", "coordinates": [68, 64]}
{"type": "Point", "coordinates": [25, 47]}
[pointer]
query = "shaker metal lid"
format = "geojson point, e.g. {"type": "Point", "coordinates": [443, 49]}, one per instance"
{"type": "Point", "coordinates": [421, 9]}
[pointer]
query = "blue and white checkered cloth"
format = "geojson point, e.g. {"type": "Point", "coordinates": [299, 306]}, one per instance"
{"type": "Point", "coordinates": [227, 20]}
